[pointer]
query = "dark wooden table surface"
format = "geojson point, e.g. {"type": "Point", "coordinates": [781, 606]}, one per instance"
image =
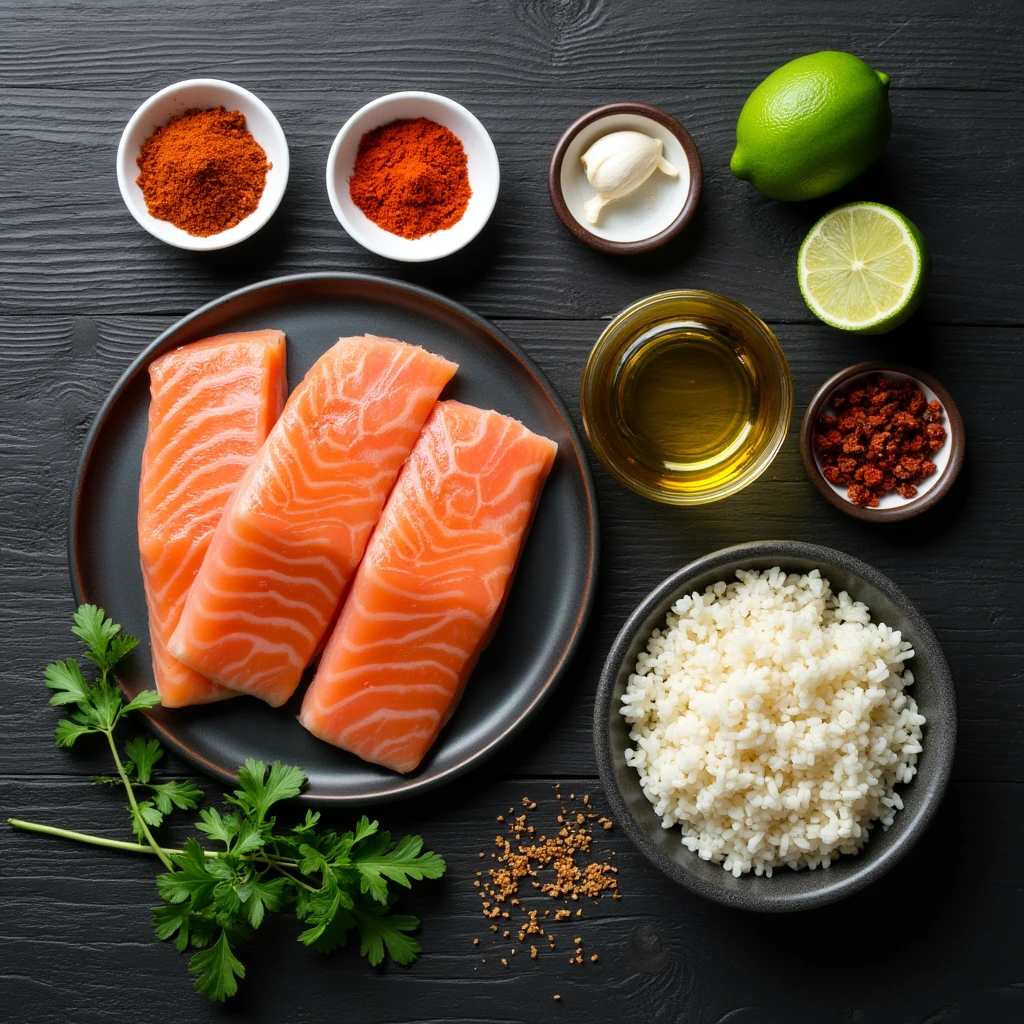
{"type": "Point", "coordinates": [83, 289]}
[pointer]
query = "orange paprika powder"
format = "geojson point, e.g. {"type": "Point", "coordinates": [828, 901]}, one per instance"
{"type": "Point", "coordinates": [410, 177]}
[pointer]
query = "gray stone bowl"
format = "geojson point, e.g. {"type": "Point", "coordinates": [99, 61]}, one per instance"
{"type": "Point", "coordinates": [786, 890]}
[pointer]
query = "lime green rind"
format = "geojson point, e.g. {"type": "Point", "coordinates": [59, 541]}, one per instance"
{"type": "Point", "coordinates": [917, 290]}
{"type": "Point", "coordinates": [812, 126]}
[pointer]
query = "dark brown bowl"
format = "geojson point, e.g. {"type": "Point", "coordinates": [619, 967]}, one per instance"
{"type": "Point", "coordinates": [641, 244]}
{"type": "Point", "coordinates": [907, 508]}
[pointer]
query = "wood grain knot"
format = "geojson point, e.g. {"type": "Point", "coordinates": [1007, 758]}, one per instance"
{"type": "Point", "coordinates": [562, 25]}
{"type": "Point", "coordinates": [646, 951]}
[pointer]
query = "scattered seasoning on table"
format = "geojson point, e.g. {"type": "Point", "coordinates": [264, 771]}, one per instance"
{"type": "Point", "coordinates": [529, 856]}
{"type": "Point", "coordinates": [202, 171]}
{"type": "Point", "coordinates": [411, 178]}
{"type": "Point", "coordinates": [879, 439]}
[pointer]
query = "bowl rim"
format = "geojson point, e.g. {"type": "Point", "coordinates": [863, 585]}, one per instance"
{"type": "Point", "coordinates": [934, 784]}
{"type": "Point", "coordinates": [425, 256]}
{"type": "Point", "coordinates": [256, 220]}
{"type": "Point", "coordinates": [607, 245]}
{"type": "Point", "coordinates": [767, 457]}
{"type": "Point", "coordinates": [915, 506]}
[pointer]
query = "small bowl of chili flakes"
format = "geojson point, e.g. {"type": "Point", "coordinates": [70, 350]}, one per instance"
{"type": "Point", "coordinates": [882, 442]}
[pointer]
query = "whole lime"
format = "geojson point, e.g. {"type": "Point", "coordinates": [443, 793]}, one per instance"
{"type": "Point", "coordinates": [812, 126]}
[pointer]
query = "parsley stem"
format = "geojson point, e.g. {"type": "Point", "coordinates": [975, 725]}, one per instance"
{"type": "Point", "coordinates": [144, 828]}
{"type": "Point", "coordinates": [287, 874]}
{"type": "Point", "coordinates": [80, 837]}
{"type": "Point", "coordinates": [116, 844]}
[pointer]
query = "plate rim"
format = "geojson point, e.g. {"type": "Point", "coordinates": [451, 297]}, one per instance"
{"type": "Point", "coordinates": [407, 787]}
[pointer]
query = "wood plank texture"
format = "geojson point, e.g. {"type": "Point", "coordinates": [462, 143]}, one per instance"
{"type": "Point", "coordinates": [77, 933]}
{"type": "Point", "coordinates": [83, 289]}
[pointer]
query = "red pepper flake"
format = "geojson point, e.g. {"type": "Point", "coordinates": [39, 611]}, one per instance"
{"type": "Point", "coordinates": [879, 439]}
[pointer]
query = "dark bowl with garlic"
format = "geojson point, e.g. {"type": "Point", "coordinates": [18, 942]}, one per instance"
{"type": "Point", "coordinates": [625, 178]}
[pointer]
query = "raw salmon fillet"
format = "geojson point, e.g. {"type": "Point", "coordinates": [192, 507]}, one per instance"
{"type": "Point", "coordinates": [213, 404]}
{"type": "Point", "coordinates": [428, 594]}
{"type": "Point", "coordinates": [297, 525]}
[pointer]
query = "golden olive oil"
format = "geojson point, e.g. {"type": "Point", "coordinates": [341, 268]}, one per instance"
{"type": "Point", "coordinates": [687, 408]}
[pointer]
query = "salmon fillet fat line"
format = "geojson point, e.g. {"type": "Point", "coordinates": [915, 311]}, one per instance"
{"type": "Point", "coordinates": [428, 594]}
{"type": "Point", "coordinates": [212, 406]}
{"type": "Point", "coordinates": [298, 522]}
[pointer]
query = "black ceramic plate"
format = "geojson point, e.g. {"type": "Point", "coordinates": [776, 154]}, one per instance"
{"type": "Point", "coordinates": [547, 606]}
{"type": "Point", "coordinates": [786, 890]}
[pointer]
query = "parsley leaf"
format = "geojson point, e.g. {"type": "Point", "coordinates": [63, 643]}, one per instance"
{"type": "Point", "coordinates": [96, 630]}
{"type": "Point", "coordinates": [222, 829]}
{"type": "Point", "coordinates": [144, 752]}
{"type": "Point", "coordinates": [379, 930]}
{"type": "Point", "coordinates": [172, 920]}
{"type": "Point", "coordinates": [378, 859]}
{"type": "Point", "coordinates": [185, 795]}
{"type": "Point", "coordinates": [190, 880]}
{"type": "Point", "coordinates": [142, 701]}
{"type": "Point", "coordinates": [66, 678]}
{"type": "Point", "coordinates": [144, 813]}
{"type": "Point", "coordinates": [261, 791]}
{"type": "Point", "coordinates": [217, 968]}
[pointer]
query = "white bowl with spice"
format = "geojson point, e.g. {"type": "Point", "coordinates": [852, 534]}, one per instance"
{"type": "Point", "coordinates": [205, 172]}
{"type": "Point", "coordinates": [413, 176]}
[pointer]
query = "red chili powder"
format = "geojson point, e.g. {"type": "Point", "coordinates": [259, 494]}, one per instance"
{"type": "Point", "coordinates": [410, 177]}
{"type": "Point", "coordinates": [879, 439]}
{"type": "Point", "coordinates": [203, 171]}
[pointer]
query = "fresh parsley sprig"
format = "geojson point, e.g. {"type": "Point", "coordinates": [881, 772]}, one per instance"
{"type": "Point", "coordinates": [215, 899]}
{"type": "Point", "coordinates": [100, 707]}
{"type": "Point", "coordinates": [335, 883]}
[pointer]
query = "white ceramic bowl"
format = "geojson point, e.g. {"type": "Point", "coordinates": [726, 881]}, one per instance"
{"type": "Point", "coordinates": [202, 93]}
{"type": "Point", "coordinates": [482, 160]}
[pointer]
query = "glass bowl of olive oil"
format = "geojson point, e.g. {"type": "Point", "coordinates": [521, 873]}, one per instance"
{"type": "Point", "coordinates": [686, 397]}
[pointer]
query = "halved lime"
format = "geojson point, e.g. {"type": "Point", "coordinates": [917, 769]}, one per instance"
{"type": "Point", "coordinates": [863, 267]}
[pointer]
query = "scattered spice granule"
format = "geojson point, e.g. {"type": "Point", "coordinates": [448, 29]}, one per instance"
{"type": "Point", "coordinates": [504, 962]}
{"type": "Point", "coordinates": [476, 942]}
{"type": "Point", "coordinates": [593, 958]}
{"type": "Point", "coordinates": [559, 867]}
{"type": "Point", "coordinates": [879, 438]}
{"type": "Point", "coordinates": [556, 998]}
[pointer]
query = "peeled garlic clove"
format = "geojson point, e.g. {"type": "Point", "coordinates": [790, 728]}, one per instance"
{"type": "Point", "coordinates": [593, 207]}
{"type": "Point", "coordinates": [618, 164]}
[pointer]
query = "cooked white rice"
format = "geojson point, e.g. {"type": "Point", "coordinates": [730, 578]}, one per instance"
{"type": "Point", "coordinates": [770, 721]}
